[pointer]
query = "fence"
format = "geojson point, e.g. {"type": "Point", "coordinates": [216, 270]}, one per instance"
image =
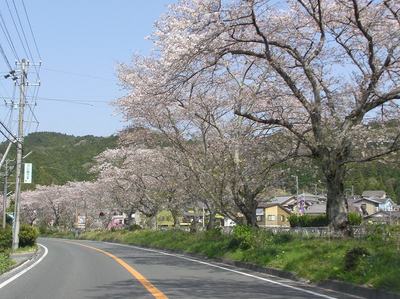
{"type": "Point", "coordinates": [383, 232]}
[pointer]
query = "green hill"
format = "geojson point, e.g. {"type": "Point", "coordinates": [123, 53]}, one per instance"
{"type": "Point", "coordinates": [58, 158]}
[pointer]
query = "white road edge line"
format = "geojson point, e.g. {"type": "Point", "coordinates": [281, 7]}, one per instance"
{"type": "Point", "coordinates": [11, 279]}
{"type": "Point", "coordinates": [228, 269]}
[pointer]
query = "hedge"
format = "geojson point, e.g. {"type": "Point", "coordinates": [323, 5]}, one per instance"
{"type": "Point", "coordinates": [320, 220]}
{"type": "Point", "coordinates": [27, 237]}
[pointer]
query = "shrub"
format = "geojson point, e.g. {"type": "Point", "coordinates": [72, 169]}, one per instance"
{"type": "Point", "coordinates": [134, 227]}
{"type": "Point", "coordinates": [282, 238]}
{"type": "Point", "coordinates": [233, 244]}
{"type": "Point", "coordinates": [354, 218]}
{"type": "Point", "coordinates": [5, 239]}
{"type": "Point", "coordinates": [308, 221]}
{"type": "Point", "coordinates": [353, 256]}
{"type": "Point", "coordinates": [213, 234]}
{"type": "Point", "coordinates": [27, 235]}
{"type": "Point", "coordinates": [244, 235]}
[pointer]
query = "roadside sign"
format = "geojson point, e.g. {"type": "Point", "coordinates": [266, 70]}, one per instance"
{"type": "Point", "coordinates": [27, 173]}
{"type": "Point", "coordinates": [81, 222]}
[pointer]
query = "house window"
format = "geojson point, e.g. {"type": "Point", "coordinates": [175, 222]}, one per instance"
{"type": "Point", "coordinates": [120, 221]}
{"type": "Point", "coordinates": [259, 212]}
{"type": "Point", "coordinates": [259, 218]}
{"type": "Point", "coordinates": [282, 218]}
{"type": "Point", "coordinates": [271, 218]}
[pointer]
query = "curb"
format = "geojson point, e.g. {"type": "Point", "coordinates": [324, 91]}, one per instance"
{"type": "Point", "coordinates": [357, 290]}
{"type": "Point", "coordinates": [22, 263]}
{"type": "Point", "coordinates": [334, 285]}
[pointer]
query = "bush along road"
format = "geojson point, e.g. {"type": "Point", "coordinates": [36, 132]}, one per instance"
{"type": "Point", "coordinates": [27, 242]}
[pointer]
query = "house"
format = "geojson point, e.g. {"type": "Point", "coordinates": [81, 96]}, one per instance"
{"type": "Point", "coordinates": [384, 217]}
{"type": "Point", "coordinates": [271, 214]}
{"type": "Point", "coordinates": [374, 201]}
{"type": "Point", "coordinates": [315, 209]}
{"type": "Point", "coordinates": [361, 205]}
{"type": "Point", "coordinates": [288, 201]}
{"type": "Point", "coordinates": [228, 222]}
{"type": "Point", "coordinates": [374, 194]}
{"type": "Point", "coordinates": [298, 204]}
{"type": "Point", "coordinates": [164, 219]}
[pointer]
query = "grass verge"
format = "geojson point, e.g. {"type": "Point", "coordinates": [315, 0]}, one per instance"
{"type": "Point", "coordinates": [5, 262]}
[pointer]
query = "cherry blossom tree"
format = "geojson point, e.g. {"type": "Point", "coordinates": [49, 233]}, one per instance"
{"type": "Point", "coordinates": [321, 72]}
{"type": "Point", "coordinates": [141, 179]}
{"type": "Point", "coordinates": [228, 159]}
{"type": "Point", "coordinates": [59, 206]}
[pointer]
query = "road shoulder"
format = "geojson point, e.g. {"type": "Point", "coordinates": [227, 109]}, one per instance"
{"type": "Point", "coordinates": [24, 262]}
{"type": "Point", "coordinates": [328, 286]}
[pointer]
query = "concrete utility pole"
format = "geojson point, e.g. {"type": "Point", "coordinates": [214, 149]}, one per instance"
{"type": "Point", "coordinates": [20, 142]}
{"type": "Point", "coordinates": [297, 185]}
{"type": "Point", "coordinates": [5, 194]}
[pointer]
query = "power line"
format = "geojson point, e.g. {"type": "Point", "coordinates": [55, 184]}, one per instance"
{"type": "Point", "coordinates": [26, 40]}
{"type": "Point", "coordinates": [76, 74]}
{"type": "Point", "coordinates": [5, 58]}
{"type": "Point", "coordinates": [30, 27]}
{"type": "Point", "coordinates": [8, 138]}
{"type": "Point", "coordinates": [66, 101]}
{"type": "Point", "coordinates": [8, 36]}
{"type": "Point", "coordinates": [16, 28]}
{"type": "Point", "coordinates": [22, 29]}
{"type": "Point", "coordinates": [8, 131]}
{"type": "Point", "coordinates": [75, 101]}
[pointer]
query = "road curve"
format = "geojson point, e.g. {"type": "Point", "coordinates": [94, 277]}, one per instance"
{"type": "Point", "coordinates": [71, 271]}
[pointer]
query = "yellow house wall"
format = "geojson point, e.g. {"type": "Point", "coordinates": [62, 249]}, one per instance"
{"type": "Point", "coordinates": [277, 212]}
{"type": "Point", "coordinates": [371, 209]}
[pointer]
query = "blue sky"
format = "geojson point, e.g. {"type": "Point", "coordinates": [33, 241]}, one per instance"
{"type": "Point", "coordinates": [88, 38]}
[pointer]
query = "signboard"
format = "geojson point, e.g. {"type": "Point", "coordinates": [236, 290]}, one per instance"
{"type": "Point", "coordinates": [27, 173]}
{"type": "Point", "coordinates": [81, 222]}
{"type": "Point", "coordinates": [11, 215]}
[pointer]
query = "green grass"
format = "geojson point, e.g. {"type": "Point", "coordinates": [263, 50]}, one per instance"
{"type": "Point", "coordinates": [26, 249]}
{"type": "Point", "coordinates": [314, 259]}
{"type": "Point", "coordinates": [5, 262]}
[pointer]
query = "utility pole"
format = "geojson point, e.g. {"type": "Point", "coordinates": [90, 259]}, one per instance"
{"type": "Point", "coordinates": [5, 195]}
{"type": "Point", "coordinates": [20, 142]}
{"type": "Point", "coordinates": [297, 191]}
{"type": "Point", "coordinates": [297, 185]}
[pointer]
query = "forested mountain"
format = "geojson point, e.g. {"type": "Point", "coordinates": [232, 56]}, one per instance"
{"type": "Point", "coordinates": [58, 158]}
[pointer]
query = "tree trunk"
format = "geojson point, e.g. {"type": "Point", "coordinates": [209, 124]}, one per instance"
{"type": "Point", "coordinates": [211, 220]}
{"type": "Point", "coordinates": [249, 212]}
{"type": "Point", "coordinates": [336, 206]}
{"type": "Point", "coordinates": [175, 217]}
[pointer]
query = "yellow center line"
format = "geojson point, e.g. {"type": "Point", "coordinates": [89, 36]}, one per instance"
{"type": "Point", "coordinates": [139, 277]}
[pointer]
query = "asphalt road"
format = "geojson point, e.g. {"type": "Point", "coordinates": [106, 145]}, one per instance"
{"type": "Point", "coordinates": [74, 271]}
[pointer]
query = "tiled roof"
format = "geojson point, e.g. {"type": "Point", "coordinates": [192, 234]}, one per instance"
{"type": "Point", "coordinates": [374, 194]}
{"type": "Point", "coordinates": [281, 199]}
{"type": "Point", "coordinates": [318, 208]}
{"type": "Point", "coordinates": [385, 214]}
{"type": "Point", "coordinates": [267, 204]}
